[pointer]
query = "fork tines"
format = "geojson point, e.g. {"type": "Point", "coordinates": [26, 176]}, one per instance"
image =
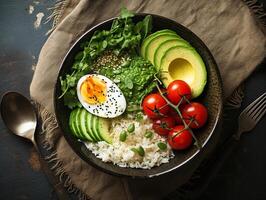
{"type": "Point", "coordinates": [257, 109]}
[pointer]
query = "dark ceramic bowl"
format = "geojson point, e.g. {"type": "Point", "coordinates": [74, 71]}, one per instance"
{"type": "Point", "coordinates": [212, 98]}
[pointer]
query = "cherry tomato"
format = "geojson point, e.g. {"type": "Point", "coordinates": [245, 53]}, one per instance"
{"type": "Point", "coordinates": [179, 138]}
{"type": "Point", "coordinates": [155, 106]}
{"type": "Point", "coordinates": [164, 125]}
{"type": "Point", "coordinates": [174, 114]}
{"type": "Point", "coordinates": [195, 112]}
{"type": "Point", "coordinates": [176, 90]}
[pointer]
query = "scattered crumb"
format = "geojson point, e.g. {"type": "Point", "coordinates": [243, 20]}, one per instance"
{"type": "Point", "coordinates": [34, 160]}
{"type": "Point", "coordinates": [33, 67]}
{"type": "Point", "coordinates": [34, 64]}
{"type": "Point", "coordinates": [31, 9]}
{"type": "Point", "coordinates": [38, 20]}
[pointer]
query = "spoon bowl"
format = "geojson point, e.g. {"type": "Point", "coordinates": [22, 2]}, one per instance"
{"type": "Point", "coordinates": [18, 115]}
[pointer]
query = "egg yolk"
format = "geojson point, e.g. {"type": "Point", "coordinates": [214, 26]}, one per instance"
{"type": "Point", "coordinates": [93, 90]}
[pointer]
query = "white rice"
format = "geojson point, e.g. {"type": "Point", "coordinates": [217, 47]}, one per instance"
{"type": "Point", "coordinates": [120, 153]}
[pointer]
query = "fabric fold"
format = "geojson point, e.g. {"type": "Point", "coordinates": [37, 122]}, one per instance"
{"type": "Point", "coordinates": [227, 27]}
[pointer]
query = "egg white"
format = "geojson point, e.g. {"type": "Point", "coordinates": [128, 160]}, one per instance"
{"type": "Point", "coordinates": [115, 103]}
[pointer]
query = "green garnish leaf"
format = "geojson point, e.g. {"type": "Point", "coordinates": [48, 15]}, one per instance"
{"type": "Point", "coordinates": [144, 27]}
{"type": "Point", "coordinates": [140, 151]}
{"type": "Point", "coordinates": [162, 146]}
{"type": "Point", "coordinates": [148, 134]}
{"type": "Point", "coordinates": [131, 128]}
{"type": "Point", "coordinates": [125, 13]}
{"type": "Point", "coordinates": [123, 136]}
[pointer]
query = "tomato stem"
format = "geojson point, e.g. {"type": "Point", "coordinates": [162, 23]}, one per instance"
{"type": "Point", "coordinates": [162, 107]}
{"type": "Point", "coordinates": [157, 79]}
{"type": "Point", "coordinates": [177, 133]}
{"type": "Point", "coordinates": [186, 99]}
{"type": "Point", "coordinates": [176, 107]}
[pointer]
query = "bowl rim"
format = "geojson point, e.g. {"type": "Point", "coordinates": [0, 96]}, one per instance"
{"type": "Point", "coordinates": [218, 118]}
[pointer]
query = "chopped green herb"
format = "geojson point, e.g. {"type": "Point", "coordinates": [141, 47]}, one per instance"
{"type": "Point", "coordinates": [140, 151]}
{"type": "Point", "coordinates": [135, 79]}
{"type": "Point", "coordinates": [162, 146]}
{"type": "Point", "coordinates": [123, 136]}
{"type": "Point", "coordinates": [131, 128]}
{"type": "Point", "coordinates": [148, 134]}
{"type": "Point", "coordinates": [129, 83]}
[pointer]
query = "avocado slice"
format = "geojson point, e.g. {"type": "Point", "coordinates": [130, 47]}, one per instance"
{"type": "Point", "coordinates": [88, 126]}
{"type": "Point", "coordinates": [77, 124]}
{"type": "Point", "coordinates": [155, 43]}
{"type": "Point", "coordinates": [72, 123]}
{"type": "Point", "coordinates": [82, 123]}
{"type": "Point", "coordinates": [103, 126]}
{"type": "Point", "coordinates": [160, 51]}
{"type": "Point", "coordinates": [94, 123]}
{"type": "Point", "coordinates": [185, 64]}
{"type": "Point", "coordinates": [150, 37]}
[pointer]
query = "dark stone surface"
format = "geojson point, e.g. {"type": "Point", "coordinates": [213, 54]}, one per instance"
{"type": "Point", "coordinates": [242, 177]}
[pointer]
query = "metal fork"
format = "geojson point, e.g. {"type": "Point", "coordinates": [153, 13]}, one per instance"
{"type": "Point", "coordinates": [251, 115]}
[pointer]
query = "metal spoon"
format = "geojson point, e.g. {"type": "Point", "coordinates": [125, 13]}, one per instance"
{"type": "Point", "coordinates": [19, 116]}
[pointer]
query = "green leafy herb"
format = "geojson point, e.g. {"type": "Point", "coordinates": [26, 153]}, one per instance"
{"type": "Point", "coordinates": [123, 136]}
{"type": "Point", "coordinates": [144, 27]}
{"type": "Point", "coordinates": [140, 151]}
{"type": "Point", "coordinates": [125, 13]}
{"type": "Point", "coordinates": [162, 146]}
{"type": "Point", "coordinates": [131, 128]}
{"type": "Point", "coordinates": [148, 134]}
{"type": "Point", "coordinates": [124, 35]}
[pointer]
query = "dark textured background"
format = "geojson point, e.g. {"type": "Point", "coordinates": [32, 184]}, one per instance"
{"type": "Point", "coordinates": [243, 176]}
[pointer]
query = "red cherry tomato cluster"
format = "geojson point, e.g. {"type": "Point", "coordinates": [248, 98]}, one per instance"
{"type": "Point", "coordinates": [167, 122]}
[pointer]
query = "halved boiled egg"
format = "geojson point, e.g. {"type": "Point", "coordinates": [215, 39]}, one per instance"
{"type": "Point", "coordinates": [100, 96]}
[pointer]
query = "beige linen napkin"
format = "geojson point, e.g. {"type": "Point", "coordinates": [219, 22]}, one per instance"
{"type": "Point", "coordinates": [227, 27]}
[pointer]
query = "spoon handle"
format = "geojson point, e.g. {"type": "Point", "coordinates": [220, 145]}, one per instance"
{"type": "Point", "coordinates": [57, 186]}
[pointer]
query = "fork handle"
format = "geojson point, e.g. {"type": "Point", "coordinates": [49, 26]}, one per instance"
{"type": "Point", "coordinates": [213, 166]}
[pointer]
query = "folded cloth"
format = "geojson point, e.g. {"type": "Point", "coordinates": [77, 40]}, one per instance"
{"type": "Point", "coordinates": [227, 27]}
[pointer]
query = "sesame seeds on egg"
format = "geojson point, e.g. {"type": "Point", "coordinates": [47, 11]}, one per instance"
{"type": "Point", "coordinates": [101, 96]}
